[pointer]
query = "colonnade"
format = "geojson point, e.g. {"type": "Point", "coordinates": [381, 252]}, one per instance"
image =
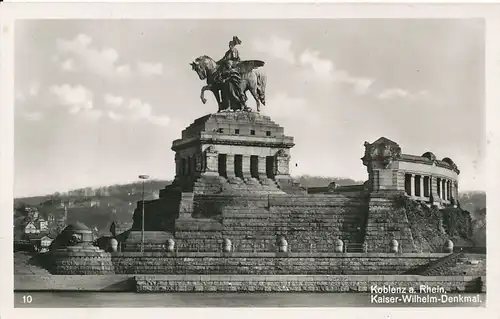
{"type": "Point", "coordinates": [231, 165]}
{"type": "Point", "coordinates": [423, 186]}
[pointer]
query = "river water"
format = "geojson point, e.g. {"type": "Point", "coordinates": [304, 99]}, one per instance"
{"type": "Point", "coordinates": [130, 299]}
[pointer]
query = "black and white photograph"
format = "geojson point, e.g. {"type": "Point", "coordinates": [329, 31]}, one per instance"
{"type": "Point", "coordinates": [248, 162]}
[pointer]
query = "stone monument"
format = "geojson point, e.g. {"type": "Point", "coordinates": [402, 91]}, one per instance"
{"type": "Point", "coordinates": [232, 183]}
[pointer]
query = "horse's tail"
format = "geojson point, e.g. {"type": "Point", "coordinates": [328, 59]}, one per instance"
{"type": "Point", "coordinates": [261, 86]}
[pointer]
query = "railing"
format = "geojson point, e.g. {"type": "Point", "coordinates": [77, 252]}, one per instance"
{"type": "Point", "coordinates": [355, 248]}
{"type": "Point", "coordinates": [470, 250]}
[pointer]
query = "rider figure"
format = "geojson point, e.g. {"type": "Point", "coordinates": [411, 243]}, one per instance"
{"type": "Point", "coordinates": [232, 54]}
{"type": "Point", "coordinates": [230, 76]}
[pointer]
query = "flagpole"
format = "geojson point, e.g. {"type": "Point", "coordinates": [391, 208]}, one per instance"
{"type": "Point", "coordinates": [144, 178]}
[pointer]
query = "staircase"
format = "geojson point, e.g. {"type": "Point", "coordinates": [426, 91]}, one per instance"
{"type": "Point", "coordinates": [29, 264]}
{"type": "Point", "coordinates": [289, 186]}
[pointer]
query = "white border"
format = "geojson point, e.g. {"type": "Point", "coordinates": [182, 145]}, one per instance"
{"type": "Point", "coordinates": [11, 11]}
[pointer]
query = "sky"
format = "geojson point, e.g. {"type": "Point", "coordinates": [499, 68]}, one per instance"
{"type": "Point", "coordinates": [98, 102]}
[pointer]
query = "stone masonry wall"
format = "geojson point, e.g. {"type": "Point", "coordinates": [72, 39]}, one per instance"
{"type": "Point", "coordinates": [385, 223]}
{"type": "Point", "coordinates": [268, 263]}
{"type": "Point", "coordinates": [82, 263]}
{"type": "Point", "coordinates": [325, 283]}
{"type": "Point", "coordinates": [310, 223]}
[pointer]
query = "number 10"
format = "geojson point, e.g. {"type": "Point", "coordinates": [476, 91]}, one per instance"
{"type": "Point", "coordinates": [27, 299]}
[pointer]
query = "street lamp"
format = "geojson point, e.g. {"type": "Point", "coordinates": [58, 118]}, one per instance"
{"type": "Point", "coordinates": [144, 178]}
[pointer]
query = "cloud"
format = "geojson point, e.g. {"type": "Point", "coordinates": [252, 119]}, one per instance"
{"type": "Point", "coordinates": [32, 116]}
{"type": "Point", "coordinates": [92, 114]}
{"type": "Point", "coordinates": [160, 120]}
{"type": "Point", "coordinates": [20, 96]}
{"type": "Point", "coordinates": [276, 47]}
{"type": "Point", "coordinates": [76, 98]}
{"type": "Point", "coordinates": [139, 109]}
{"type": "Point", "coordinates": [115, 116]}
{"type": "Point", "coordinates": [282, 105]}
{"type": "Point", "coordinates": [315, 67]}
{"type": "Point", "coordinates": [123, 70]}
{"type": "Point", "coordinates": [321, 67]}
{"type": "Point", "coordinates": [361, 85]}
{"type": "Point", "coordinates": [34, 89]}
{"type": "Point", "coordinates": [398, 93]}
{"type": "Point", "coordinates": [68, 65]}
{"type": "Point", "coordinates": [103, 62]}
{"type": "Point", "coordinates": [148, 69]}
{"type": "Point", "coordinates": [31, 92]}
{"type": "Point", "coordinates": [132, 110]}
{"type": "Point", "coordinates": [113, 100]}
{"type": "Point", "coordinates": [325, 70]}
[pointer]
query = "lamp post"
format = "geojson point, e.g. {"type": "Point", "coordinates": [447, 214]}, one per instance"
{"type": "Point", "coordinates": [144, 178]}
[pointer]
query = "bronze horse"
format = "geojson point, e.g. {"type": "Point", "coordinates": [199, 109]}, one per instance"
{"type": "Point", "coordinates": [252, 79]}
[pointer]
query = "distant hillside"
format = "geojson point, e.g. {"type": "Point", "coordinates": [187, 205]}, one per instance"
{"type": "Point", "coordinates": [95, 207]}
{"type": "Point", "coordinates": [472, 202]}
{"type": "Point", "coordinates": [318, 181]}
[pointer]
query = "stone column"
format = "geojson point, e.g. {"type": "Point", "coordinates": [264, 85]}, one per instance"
{"type": "Point", "coordinates": [446, 194]}
{"type": "Point", "coordinates": [262, 167]}
{"type": "Point", "coordinates": [246, 166]}
{"type": "Point", "coordinates": [443, 189]}
{"type": "Point", "coordinates": [211, 162]}
{"type": "Point", "coordinates": [282, 163]}
{"type": "Point", "coordinates": [412, 185]}
{"type": "Point", "coordinates": [438, 188]}
{"type": "Point", "coordinates": [198, 164]}
{"type": "Point", "coordinates": [230, 166]}
{"type": "Point", "coordinates": [434, 189]}
{"type": "Point", "coordinates": [452, 190]}
{"type": "Point", "coordinates": [178, 166]}
{"type": "Point", "coordinates": [422, 186]}
{"type": "Point", "coordinates": [187, 168]}
{"type": "Point", "coordinates": [429, 185]}
{"type": "Point", "coordinates": [450, 194]}
{"type": "Point", "coordinates": [447, 190]}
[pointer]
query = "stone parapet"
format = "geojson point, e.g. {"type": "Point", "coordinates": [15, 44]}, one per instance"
{"type": "Point", "coordinates": [153, 240]}
{"type": "Point", "coordinates": [293, 283]}
{"type": "Point", "coordinates": [268, 263]}
{"type": "Point", "coordinates": [82, 263]}
{"type": "Point", "coordinates": [221, 254]}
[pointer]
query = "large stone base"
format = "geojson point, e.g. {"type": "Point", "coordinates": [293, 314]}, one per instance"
{"type": "Point", "coordinates": [75, 260]}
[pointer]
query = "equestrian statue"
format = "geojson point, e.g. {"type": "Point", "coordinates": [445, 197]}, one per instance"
{"type": "Point", "coordinates": [230, 78]}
